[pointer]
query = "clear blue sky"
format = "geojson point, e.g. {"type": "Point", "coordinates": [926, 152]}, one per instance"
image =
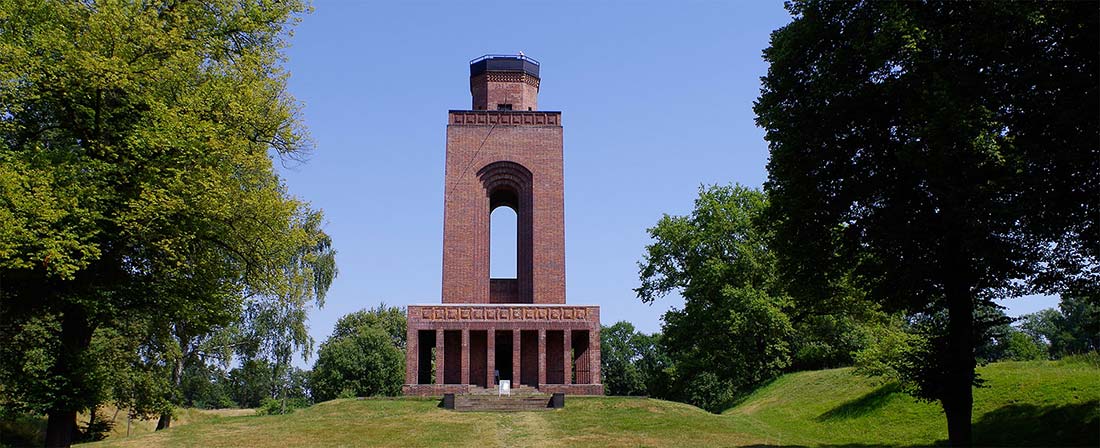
{"type": "Point", "coordinates": [656, 99]}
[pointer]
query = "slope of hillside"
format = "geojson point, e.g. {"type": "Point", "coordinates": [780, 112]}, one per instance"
{"type": "Point", "coordinates": [1023, 404]}
{"type": "Point", "coordinates": [1026, 404]}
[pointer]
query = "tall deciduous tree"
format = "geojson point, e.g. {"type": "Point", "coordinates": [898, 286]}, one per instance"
{"type": "Point", "coordinates": [942, 153]}
{"type": "Point", "coordinates": [136, 177]}
{"type": "Point", "coordinates": [732, 333]}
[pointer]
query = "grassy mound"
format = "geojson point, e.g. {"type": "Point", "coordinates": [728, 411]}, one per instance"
{"type": "Point", "coordinates": [1026, 404]}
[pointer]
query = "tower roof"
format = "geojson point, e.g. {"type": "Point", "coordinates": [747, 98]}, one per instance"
{"type": "Point", "coordinates": [504, 63]}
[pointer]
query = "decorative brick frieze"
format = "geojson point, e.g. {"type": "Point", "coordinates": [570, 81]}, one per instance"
{"type": "Point", "coordinates": [504, 118]}
{"type": "Point", "coordinates": [501, 312]}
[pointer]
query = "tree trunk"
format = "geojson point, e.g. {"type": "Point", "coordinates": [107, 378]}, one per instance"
{"type": "Point", "coordinates": [958, 398]}
{"type": "Point", "coordinates": [60, 428]}
{"type": "Point", "coordinates": [177, 377]}
{"type": "Point", "coordinates": [76, 335]}
{"type": "Point", "coordinates": [165, 421]}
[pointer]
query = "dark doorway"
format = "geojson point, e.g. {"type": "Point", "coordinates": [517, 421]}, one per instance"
{"type": "Point", "coordinates": [479, 360]}
{"type": "Point", "coordinates": [583, 372]}
{"type": "Point", "coordinates": [425, 357]}
{"type": "Point", "coordinates": [555, 357]}
{"type": "Point", "coordinates": [503, 354]}
{"type": "Point", "coordinates": [529, 358]}
{"type": "Point", "coordinates": [452, 357]}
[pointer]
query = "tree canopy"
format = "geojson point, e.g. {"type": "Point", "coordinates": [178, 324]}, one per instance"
{"type": "Point", "coordinates": [629, 360]}
{"type": "Point", "coordinates": [941, 154]}
{"type": "Point", "coordinates": [362, 358]}
{"type": "Point", "coordinates": [717, 259]}
{"type": "Point", "coordinates": [136, 180]}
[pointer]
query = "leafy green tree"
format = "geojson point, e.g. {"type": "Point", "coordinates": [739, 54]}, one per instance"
{"type": "Point", "coordinates": [1081, 323]}
{"type": "Point", "coordinates": [654, 364]}
{"type": "Point", "coordinates": [135, 178]}
{"type": "Point", "coordinates": [364, 364]}
{"type": "Point", "coordinates": [365, 356]}
{"type": "Point", "coordinates": [619, 355]}
{"type": "Point", "coordinates": [941, 154]}
{"type": "Point", "coordinates": [733, 326]}
{"type": "Point", "coordinates": [251, 383]}
{"type": "Point", "coordinates": [1018, 346]}
{"type": "Point", "coordinates": [205, 386]}
{"type": "Point", "coordinates": [826, 341]}
{"type": "Point", "coordinates": [1073, 328]}
{"type": "Point", "coordinates": [1045, 328]}
{"type": "Point", "coordinates": [274, 324]}
{"type": "Point", "coordinates": [390, 319]}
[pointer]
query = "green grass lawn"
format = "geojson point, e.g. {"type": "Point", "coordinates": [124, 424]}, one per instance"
{"type": "Point", "coordinates": [1026, 404]}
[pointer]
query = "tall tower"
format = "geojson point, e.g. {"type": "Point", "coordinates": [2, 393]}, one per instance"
{"type": "Point", "coordinates": [503, 153]}
{"type": "Point", "coordinates": [510, 157]}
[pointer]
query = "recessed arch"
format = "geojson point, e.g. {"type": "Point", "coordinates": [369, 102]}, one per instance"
{"type": "Point", "coordinates": [509, 184]}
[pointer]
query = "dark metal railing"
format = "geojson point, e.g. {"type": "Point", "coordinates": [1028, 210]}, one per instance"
{"type": "Point", "coordinates": [504, 63]}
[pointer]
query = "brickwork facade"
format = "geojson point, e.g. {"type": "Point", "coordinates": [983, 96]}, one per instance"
{"type": "Point", "coordinates": [520, 329]}
{"type": "Point", "coordinates": [512, 165]}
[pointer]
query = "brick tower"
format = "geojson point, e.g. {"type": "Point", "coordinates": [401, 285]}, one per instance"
{"type": "Point", "coordinates": [503, 153]}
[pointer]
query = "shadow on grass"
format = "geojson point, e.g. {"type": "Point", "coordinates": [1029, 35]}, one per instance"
{"type": "Point", "coordinates": [1029, 425]}
{"type": "Point", "coordinates": [861, 406]}
{"type": "Point", "coordinates": [22, 430]}
{"type": "Point", "coordinates": [849, 445]}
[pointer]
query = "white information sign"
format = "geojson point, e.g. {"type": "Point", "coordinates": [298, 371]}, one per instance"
{"type": "Point", "coordinates": [505, 388]}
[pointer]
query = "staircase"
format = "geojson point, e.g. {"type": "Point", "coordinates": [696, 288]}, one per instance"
{"type": "Point", "coordinates": [493, 403]}
{"type": "Point", "coordinates": [523, 398]}
{"type": "Point", "coordinates": [517, 390]}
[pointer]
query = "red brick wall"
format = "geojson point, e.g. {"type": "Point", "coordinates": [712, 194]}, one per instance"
{"type": "Point", "coordinates": [474, 143]}
{"type": "Point", "coordinates": [504, 290]}
{"type": "Point", "coordinates": [492, 88]}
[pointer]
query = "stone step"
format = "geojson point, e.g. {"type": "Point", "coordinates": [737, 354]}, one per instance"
{"type": "Point", "coordinates": [522, 390]}
{"type": "Point", "coordinates": [505, 403]}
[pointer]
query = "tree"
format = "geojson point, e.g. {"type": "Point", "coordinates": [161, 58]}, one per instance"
{"type": "Point", "coordinates": [362, 364]}
{"type": "Point", "coordinates": [1081, 323]}
{"type": "Point", "coordinates": [390, 319]}
{"type": "Point", "coordinates": [363, 357]}
{"type": "Point", "coordinates": [940, 154]}
{"type": "Point", "coordinates": [274, 324]}
{"type": "Point", "coordinates": [732, 327]}
{"type": "Point", "coordinates": [634, 363]}
{"type": "Point", "coordinates": [1073, 328]}
{"type": "Point", "coordinates": [619, 355]}
{"type": "Point", "coordinates": [205, 386]}
{"type": "Point", "coordinates": [251, 383]}
{"type": "Point", "coordinates": [1019, 347]}
{"type": "Point", "coordinates": [135, 178]}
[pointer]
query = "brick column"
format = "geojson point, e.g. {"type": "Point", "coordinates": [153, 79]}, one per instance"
{"type": "Point", "coordinates": [412, 356]}
{"type": "Point", "coordinates": [464, 374]}
{"type": "Point", "coordinates": [567, 344]}
{"type": "Point", "coordinates": [515, 358]}
{"type": "Point", "coordinates": [542, 356]}
{"type": "Point", "coordinates": [439, 356]}
{"type": "Point", "coordinates": [594, 353]}
{"type": "Point", "coordinates": [490, 356]}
